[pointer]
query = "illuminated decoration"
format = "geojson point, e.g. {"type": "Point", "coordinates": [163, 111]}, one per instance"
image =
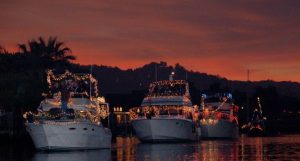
{"type": "Point", "coordinates": [68, 76]}
{"type": "Point", "coordinates": [155, 111]}
{"type": "Point", "coordinates": [94, 114]}
{"type": "Point", "coordinates": [118, 109]}
{"type": "Point", "coordinates": [210, 116]}
{"type": "Point", "coordinates": [160, 101]}
{"type": "Point", "coordinates": [80, 108]}
{"type": "Point", "coordinates": [167, 82]}
{"type": "Point", "coordinates": [167, 89]}
{"type": "Point", "coordinates": [101, 99]}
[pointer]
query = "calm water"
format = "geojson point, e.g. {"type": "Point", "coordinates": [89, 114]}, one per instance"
{"type": "Point", "coordinates": [285, 147]}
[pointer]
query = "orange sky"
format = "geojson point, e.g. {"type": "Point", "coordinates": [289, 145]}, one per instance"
{"type": "Point", "coordinates": [218, 37]}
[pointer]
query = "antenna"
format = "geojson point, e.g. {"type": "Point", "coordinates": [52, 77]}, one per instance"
{"type": "Point", "coordinates": [155, 72]}
{"type": "Point", "coordinates": [203, 102]}
{"type": "Point", "coordinates": [171, 76]}
{"type": "Point", "coordinates": [91, 70]}
{"type": "Point", "coordinates": [259, 105]}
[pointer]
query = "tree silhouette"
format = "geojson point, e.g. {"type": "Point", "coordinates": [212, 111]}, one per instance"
{"type": "Point", "coordinates": [50, 54]}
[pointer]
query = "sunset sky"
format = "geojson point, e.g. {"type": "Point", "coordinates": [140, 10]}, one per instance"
{"type": "Point", "coordinates": [223, 37]}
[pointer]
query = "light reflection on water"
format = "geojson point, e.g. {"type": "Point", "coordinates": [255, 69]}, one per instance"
{"type": "Point", "coordinates": [245, 148]}
{"type": "Point", "coordinates": [127, 149]}
{"type": "Point", "coordinates": [92, 155]}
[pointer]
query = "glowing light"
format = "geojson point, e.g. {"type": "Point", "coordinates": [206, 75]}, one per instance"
{"type": "Point", "coordinates": [68, 75]}
{"type": "Point", "coordinates": [95, 107]}
{"type": "Point", "coordinates": [101, 99]}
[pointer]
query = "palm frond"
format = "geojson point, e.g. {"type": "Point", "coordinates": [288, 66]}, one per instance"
{"type": "Point", "coordinates": [23, 48]}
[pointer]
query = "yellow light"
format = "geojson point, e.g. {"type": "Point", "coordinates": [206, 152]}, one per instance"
{"type": "Point", "coordinates": [101, 99]}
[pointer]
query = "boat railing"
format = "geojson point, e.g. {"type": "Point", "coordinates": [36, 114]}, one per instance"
{"type": "Point", "coordinates": [160, 112]}
{"type": "Point", "coordinates": [61, 116]}
{"type": "Point", "coordinates": [212, 117]}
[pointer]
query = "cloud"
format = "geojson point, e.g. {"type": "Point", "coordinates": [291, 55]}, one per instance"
{"type": "Point", "coordinates": [216, 36]}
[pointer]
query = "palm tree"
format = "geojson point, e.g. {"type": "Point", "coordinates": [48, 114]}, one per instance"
{"type": "Point", "coordinates": [2, 50]}
{"type": "Point", "coordinates": [51, 54]}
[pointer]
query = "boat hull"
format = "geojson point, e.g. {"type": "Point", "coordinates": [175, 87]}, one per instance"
{"type": "Point", "coordinates": [69, 136]}
{"type": "Point", "coordinates": [164, 130]}
{"type": "Point", "coordinates": [222, 129]}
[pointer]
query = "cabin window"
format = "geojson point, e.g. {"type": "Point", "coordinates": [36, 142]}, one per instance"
{"type": "Point", "coordinates": [163, 112]}
{"type": "Point", "coordinates": [173, 112]}
{"type": "Point", "coordinates": [72, 128]}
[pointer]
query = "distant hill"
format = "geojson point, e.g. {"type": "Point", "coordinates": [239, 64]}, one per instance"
{"type": "Point", "coordinates": [115, 80]}
{"type": "Point", "coordinates": [126, 88]}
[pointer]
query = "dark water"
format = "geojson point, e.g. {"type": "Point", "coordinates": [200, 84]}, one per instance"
{"type": "Point", "coordinates": [285, 147]}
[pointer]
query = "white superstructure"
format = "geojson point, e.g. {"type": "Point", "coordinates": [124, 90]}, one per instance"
{"type": "Point", "coordinates": [165, 113]}
{"type": "Point", "coordinates": [77, 127]}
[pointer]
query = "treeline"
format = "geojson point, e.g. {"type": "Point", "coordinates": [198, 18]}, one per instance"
{"type": "Point", "coordinates": [22, 74]}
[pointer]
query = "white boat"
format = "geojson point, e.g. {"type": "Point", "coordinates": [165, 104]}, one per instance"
{"type": "Point", "coordinates": [165, 113]}
{"type": "Point", "coordinates": [77, 127]}
{"type": "Point", "coordinates": [218, 118]}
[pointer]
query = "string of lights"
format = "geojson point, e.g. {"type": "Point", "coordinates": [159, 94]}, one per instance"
{"type": "Point", "coordinates": [51, 78]}
{"type": "Point", "coordinates": [184, 111]}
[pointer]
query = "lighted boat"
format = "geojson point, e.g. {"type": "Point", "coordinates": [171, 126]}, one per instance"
{"type": "Point", "coordinates": [218, 117]}
{"type": "Point", "coordinates": [256, 125]}
{"type": "Point", "coordinates": [165, 113]}
{"type": "Point", "coordinates": [69, 118]}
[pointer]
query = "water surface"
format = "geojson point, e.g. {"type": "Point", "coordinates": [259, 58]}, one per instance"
{"type": "Point", "coordinates": [285, 147]}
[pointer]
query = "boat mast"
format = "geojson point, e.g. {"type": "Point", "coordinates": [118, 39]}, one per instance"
{"type": "Point", "coordinates": [259, 105]}
{"type": "Point", "coordinates": [91, 81]}
{"type": "Point", "coordinates": [203, 101]}
{"type": "Point", "coordinates": [155, 72]}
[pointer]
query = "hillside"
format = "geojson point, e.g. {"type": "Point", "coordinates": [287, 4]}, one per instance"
{"type": "Point", "coordinates": [115, 80]}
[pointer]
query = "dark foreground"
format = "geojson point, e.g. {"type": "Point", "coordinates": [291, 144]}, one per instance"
{"type": "Point", "coordinates": [285, 147]}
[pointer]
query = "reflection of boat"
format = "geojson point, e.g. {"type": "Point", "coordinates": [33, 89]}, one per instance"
{"type": "Point", "coordinates": [76, 126]}
{"type": "Point", "coordinates": [211, 150]}
{"type": "Point", "coordinates": [165, 113]}
{"type": "Point", "coordinates": [92, 155]}
{"type": "Point", "coordinates": [174, 151]}
{"type": "Point", "coordinates": [218, 117]}
{"type": "Point", "coordinates": [256, 127]}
